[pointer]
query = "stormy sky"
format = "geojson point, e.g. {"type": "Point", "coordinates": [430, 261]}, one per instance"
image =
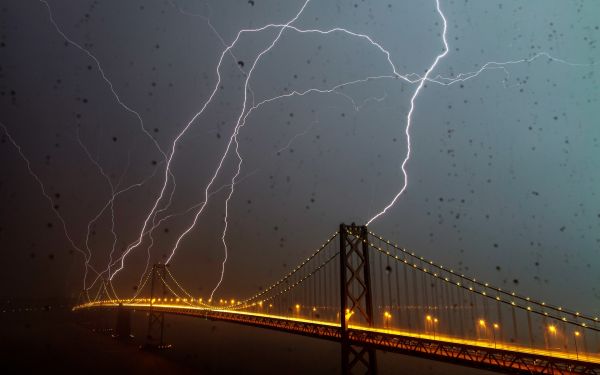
{"type": "Point", "coordinates": [503, 175]}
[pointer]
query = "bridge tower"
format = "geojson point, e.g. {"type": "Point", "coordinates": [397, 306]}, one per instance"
{"type": "Point", "coordinates": [356, 298]}
{"type": "Point", "coordinates": [156, 320]}
{"type": "Point", "coordinates": [83, 297]}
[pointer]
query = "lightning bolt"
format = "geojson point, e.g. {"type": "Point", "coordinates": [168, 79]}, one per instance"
{"type": "Point", "coordinates": [110, 204]}
{"type": "Point", "coordinates": [103, 74]}
{"type": "Point", "coordinates": [241, 124]}
{"type": "Point", "coordinates": [187, 211]}
{"type": "Point", "coordinates": [112, 192]}
{"type": "Point", "coordinates": [120, 102]}
{"type": "Point", "coordinates": [410, 113]}
{"type": "Point", "coordinates": [298, 135]}
{"type": "Point", "coordinates": [86, 256]}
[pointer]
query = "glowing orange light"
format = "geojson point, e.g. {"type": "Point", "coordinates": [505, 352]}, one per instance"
{"type": "Point", "coordinates": [349, 314]}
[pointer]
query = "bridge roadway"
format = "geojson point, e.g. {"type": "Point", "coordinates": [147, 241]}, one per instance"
{"type": "Point", "coordinates": [474, 353]}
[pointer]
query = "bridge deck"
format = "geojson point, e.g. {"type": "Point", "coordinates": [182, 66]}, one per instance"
{"type": "Point", "coordinates": [499, 356]}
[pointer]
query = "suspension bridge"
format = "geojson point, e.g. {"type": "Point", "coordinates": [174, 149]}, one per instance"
{"type": "Point", "coordinates": [370, 294]}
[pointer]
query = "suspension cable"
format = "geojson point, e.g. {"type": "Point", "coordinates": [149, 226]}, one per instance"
{"type": "Point", "coordinates": [483, 293]}
{"type": "Point", "coordinates": [484, 285]}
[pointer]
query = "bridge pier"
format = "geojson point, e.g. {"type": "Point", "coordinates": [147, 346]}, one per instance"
{"type": "Point", "coordinates": [358, 359]}
{"type": "Point", "coordinates": [101, 322]}
{"type": "Point", "coordinates": [156, 320]}
{"type": "Point", "coordinates": [356, 298]}
{"type": "Point", "coordinates": [156, 331]}
{"type": "Point", "coordinates": [123, 327]}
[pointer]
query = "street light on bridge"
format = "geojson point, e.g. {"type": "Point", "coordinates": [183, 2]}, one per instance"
{"type": "Point", "coordinates": [496, 327]}
{"type": "Point", "coordinates": [386, 319]}
{"type": "Point", "coordinates": [552, 330]}
{"type": "Point", "coordinates": [482, 329]}
{"type": "Point", "coordinates": [433, 321]}
{"type": "Point", "coordinates": [576, 335]}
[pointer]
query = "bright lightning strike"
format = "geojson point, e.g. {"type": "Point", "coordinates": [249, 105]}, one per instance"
{"type": "Point", "coordinates": [410, 113]}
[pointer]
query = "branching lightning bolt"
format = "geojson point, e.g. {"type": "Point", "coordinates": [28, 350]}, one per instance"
{"type": "Point", "coordinates": [103, 74]}
{"type": "Point", "coordinates": [86, 256]}
{"type": "Point", "coordinates": [410, 112]}
{"type": "Point", "coordinates": [112, 193]}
